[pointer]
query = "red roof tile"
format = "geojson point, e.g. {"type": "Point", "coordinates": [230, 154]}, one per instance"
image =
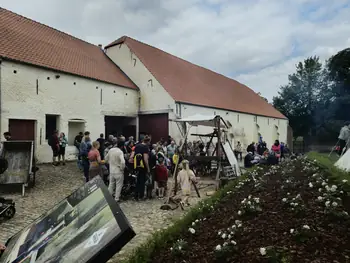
{"type": "Point", "coordinates": [189, 83]}
{"type": "Point", "coordinates": [24, 40]}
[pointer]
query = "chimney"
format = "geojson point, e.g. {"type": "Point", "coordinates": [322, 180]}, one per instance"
{"type": "Point", "coordinates": [100, 46]}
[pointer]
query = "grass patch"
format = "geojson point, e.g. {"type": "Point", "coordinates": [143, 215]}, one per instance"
{"type": "Point", "coordinates": [158, 240]}
{"type": "Point", "coordinates": [327, 162]}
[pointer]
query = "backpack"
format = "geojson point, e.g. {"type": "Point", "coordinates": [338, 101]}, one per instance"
{"type": "Point", "coordinates": [138, 161]}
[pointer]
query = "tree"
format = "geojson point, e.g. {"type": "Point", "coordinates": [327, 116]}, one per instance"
{"type": "Point", "coordinates": [339, 72]}
{"type": "Point", "coordinates": [299, 99]}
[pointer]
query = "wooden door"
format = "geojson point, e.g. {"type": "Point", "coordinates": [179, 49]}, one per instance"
{"type": "Point", "coordinates": [22, 129]}
{"type": "Point", "coordinates": [156, 125]}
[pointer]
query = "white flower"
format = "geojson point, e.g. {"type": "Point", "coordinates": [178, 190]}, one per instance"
{"type": "Point", "coordinates": [345, 213]}
{"type": "Point", "coordinates": [223, 236]}
{"type": "Point", "coordinates": [219, 233]}
{"type": "Point", "coordinates": [229, 236]}
{"type": "Point", "coordinates": [311, 185]}
{"type": "Point", "coordinates": [257, 200]}
{"type": "Point", "coordinates": [192, 230]}
{"type": "Point", "coordinates": [291, 231]}
{"type": "Point", "coordinates": [262, 251]}
{"type": "Point", "coordinates": [333, 188]}
{"type": "Point", "coordinates": [193, 223]}
{"type": "Point", "coordinates": [180, 247]}
{"type": "Point", "coordinates": [197, 221]}
{"type": "Point", "coordinates": [288, 193]}
{"type": "Point", "coordinates": [324, 183]}
{"type": "Point", "coordinates": [284, 200]}
{"type": "Point", "coordinates": [239, 213]}
{"type": "Point", "coordinates": [327, 203]}
{"type": "Point", "coordinates": [335, 204]}
{"type": "Point", "coordinates": [171, 249]}
{"type": "Point", "coordinates": [320, 198]}
{"type": "Point", "coordinates": [298, 196]}
{"type": "Point", "coordinates": [218, 248]}
{"type": "Point", "coordinates": [249, 203]}
{"type": "Point", "coordinates": [306, 227]}
{"type": "Point", "coordinates": [345, 181]}
{"type": "Point", "coordinates": [233, 242]}
{"type": "Point", "coordinates": [225, 244]}
{"type": "Point", "coordinates": [249, 197]}
{"type": "Point", "coordinates": [320, 189]}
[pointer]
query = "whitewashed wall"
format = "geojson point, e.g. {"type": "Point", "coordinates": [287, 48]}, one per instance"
{"type": "Point", "coordinates": [245, 127]}
{"type": "Point", "coordinates": [71, 97]}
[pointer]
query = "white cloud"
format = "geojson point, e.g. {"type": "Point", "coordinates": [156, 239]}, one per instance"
{"type": "Point", "coordinates": [257, 42]}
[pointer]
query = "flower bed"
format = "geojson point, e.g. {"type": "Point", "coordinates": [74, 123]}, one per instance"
{"type": "Point", "coordinates": [289, 213]}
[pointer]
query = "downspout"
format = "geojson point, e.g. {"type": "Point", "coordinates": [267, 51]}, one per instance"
{"type": "Point", "coordinates": [138, 112]}
{"type": "Point", "coordinates": [0, 96]}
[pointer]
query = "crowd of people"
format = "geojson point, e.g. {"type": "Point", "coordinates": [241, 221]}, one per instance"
{"type": "Point", "coordinates": [259, 153]}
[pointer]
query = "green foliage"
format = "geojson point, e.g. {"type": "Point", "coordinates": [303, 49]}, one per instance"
{"type": "Point", "coordinates": [317, 98]}
{"type": "Point", "coordinates": [299, 100]}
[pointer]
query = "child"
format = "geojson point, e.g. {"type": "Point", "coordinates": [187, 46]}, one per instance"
{"type": "Point", "coordinates": [186, 177]}
{"type": "Point", "coordinates": [161, 176]}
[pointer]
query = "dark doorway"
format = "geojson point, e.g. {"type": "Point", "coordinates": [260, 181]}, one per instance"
{"type": "Point", "coordinates": [51, 125]}
{"type": "Point", "coordinates": [22, 129]}
{"type": "Point", "coordinates": [156, 125]}
{"type": "Point", "coordinates": [116, 125]}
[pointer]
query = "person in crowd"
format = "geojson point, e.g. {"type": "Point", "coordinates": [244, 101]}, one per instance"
{"type": "Point", "coordinates": [161, 176]}
{"type": "Point", "coordinates": [102, 142]}
{"type": "Point", "coordinates": [164, 148]}
{"type": "Point", "coordinates": [201, 150]}
{"type": "Point", "coordinates": [251, 148]}
{"type": "Point", "coordinates": [169, 140]}
{"type": "Point", "coordinates": [249, 160]}
{"type": "Point", "coordinates": [2, 247]}
{"type": "Point", "coordinates": [116, 161]}
{"type": "Point", "coordinates": [7, 136]}
{"type": "Point", "coordinates": [55, 147]}
{"type": "Point", "coordinates": [131, 157]}
{"type": "Point", "coordinates": [130, 139]}
{"type": "Point", "coordinates": [282, 151]}
{"type": "Point", "coordinates": [129, 146]}
{"type": "Point", "coordinates": [170, 152]}
{"type": "Point", "coordinates": [276, 148]}
{"type": "Point", "coordinates": [344, 137]}
{"type": "Point", "coordinates": [141, 165]}
{"type": "Point", "coordinates": [62, 148]}
{"type": "Point", "coordinates": [77, 142]}
{"type": "Point", "coordinates": [85, 147]}
{"type": "Point", "coordinates": [186, 177]}
{"type": "Point", "coordinates": [238, 151]}
{"type": "Point", "coordinates": [94, 160]}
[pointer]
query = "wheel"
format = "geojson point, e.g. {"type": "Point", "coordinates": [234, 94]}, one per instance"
{"type": "Point", "coordinates": [10, 212]}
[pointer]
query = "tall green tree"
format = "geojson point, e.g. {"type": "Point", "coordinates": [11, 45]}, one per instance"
{"type": "Point", "coordinates": [299, 99]}
{"type": "Point", "coordinates": [339, 72]}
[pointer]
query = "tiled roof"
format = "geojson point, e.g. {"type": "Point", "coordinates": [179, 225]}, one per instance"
{"type": "Point", "coordinates": [24, 40]}
{"type": "Point", "coordinates": [192, 84]}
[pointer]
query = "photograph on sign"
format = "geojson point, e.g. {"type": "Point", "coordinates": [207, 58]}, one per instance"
{"type": "Point", "coordinates": [76, 230]}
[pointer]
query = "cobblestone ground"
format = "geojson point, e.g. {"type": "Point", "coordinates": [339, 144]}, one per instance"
{"type": "Point", "coordinates": [53, 184]}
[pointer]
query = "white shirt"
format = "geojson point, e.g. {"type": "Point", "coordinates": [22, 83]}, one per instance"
{"type": "Point", "coordinates": [115, 158]}
{"type": "Point", "coordinates": [344, 133]}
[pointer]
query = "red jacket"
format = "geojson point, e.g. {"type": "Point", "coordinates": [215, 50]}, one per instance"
{"type": "Point", "coordinates": [161, 173]}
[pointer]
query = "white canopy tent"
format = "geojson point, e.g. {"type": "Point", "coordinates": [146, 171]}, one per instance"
{"type": "Point", "coordinates": [203, 120]}
{"type": "Point", "coordinates": [344, 162]}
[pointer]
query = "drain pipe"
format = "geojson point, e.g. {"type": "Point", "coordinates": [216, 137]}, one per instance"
{"type": "Point", "coordinates": [0, 97]}
{"type": "Point", "coordinates": [138, 112]}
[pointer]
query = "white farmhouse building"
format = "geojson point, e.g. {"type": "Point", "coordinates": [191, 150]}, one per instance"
{"type": "Point", "coordinates": [50, 80]}
{"type": "Point", "coordinates": [173, 87]}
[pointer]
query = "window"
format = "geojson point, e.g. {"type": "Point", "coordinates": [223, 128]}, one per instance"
{"type": "Point", "coordinates": [268, 121]}
{"type": "Point", "coordinates": [51, 124]}
{"type": "Point", "coordinates": [74, 127]}
{"type": "Point", "coordinates": [237, 117]}
{"type": "Point", "coordinates": [255, 119]}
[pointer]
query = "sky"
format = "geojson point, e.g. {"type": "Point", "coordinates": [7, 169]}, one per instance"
{"type": "Point", "coordinates": [257, 42]}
